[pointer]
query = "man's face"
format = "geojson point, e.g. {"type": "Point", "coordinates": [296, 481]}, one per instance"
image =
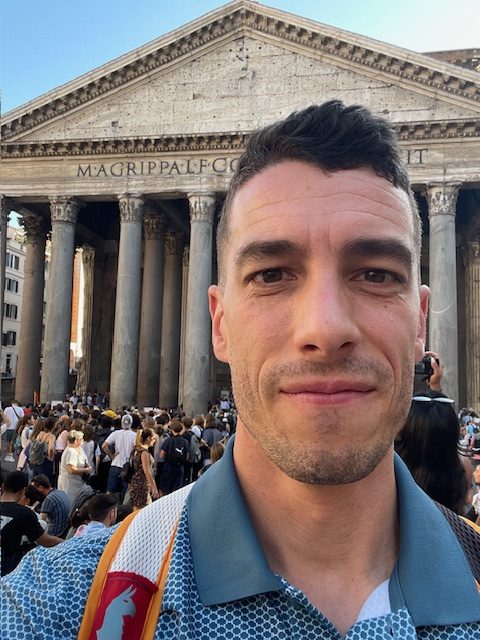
{"type": "Point", "coordinates": [39, 488]}
{"type": "Point", "coordinates": [476, 474]}
{"type": "Point", "coordinates": [320, 317]}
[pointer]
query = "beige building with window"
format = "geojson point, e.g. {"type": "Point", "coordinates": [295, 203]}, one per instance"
{"type": "Point", "coordinates": [12, 303]}
{"type": "Point", "coordinates": [131, 162]}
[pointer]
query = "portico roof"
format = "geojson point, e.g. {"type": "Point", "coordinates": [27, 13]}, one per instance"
{"type": "Point", "coordinates": [30, 124]}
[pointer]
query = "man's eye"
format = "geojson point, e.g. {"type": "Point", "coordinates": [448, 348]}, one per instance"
{"type": "Point", "coordinates": [378, 276]}
{"type": "Point", "coordinates": [268, 276]}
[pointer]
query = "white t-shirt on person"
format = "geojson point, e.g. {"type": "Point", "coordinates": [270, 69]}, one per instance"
{"type": "Point", "coordinates": [123, 442]}
{"type": "Point", "coordinates": [13, 413]}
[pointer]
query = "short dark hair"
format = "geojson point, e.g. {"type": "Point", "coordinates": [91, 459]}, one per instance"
{"type": "Point", "coordinates": [15, 481]}
{"type": "Point", "coordinates": [33, 495]}
{"type": "Point", "coordinates": [136, 421]}
{"type": "Point", "coordinates": [176, 426]}
{"type": "Point", "coordinates": [100, 504]}
{"type": "Point", "coordinates": [42, 481]}
{"type": "Point", "coordinates": [106, 422]}
{"type": "Point", "coordinates": [331, 136]}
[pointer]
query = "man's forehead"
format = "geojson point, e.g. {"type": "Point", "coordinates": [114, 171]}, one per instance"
{"type": "Point", "coordinates": [291, 185]}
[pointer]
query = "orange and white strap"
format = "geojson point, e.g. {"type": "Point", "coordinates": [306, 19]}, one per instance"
{"type": "Point", "coordinates": [125, 598]}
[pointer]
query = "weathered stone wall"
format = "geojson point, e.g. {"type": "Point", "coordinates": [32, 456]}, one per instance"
{"type": "Point", "coordinates": [238, 86]}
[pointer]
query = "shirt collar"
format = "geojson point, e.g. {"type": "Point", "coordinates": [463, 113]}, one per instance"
{"type": "Point", "coordinates": [432, 578]}
{"type": "Point", "coordinates": [229, 563]}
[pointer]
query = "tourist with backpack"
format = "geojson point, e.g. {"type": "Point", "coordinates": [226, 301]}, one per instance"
{"type": "Point", "coordinates": [195, 456]}
{"type": "Point", "coordinates": [41, 450]}
{"type": "Point", "coordinates": [174, 454]}
{"type": "Point", "coordinates": [21, 439]}
{"type": "Point", "coordinates": [101, 434]}
{"type": "Point", "coordinates": [11, 416]}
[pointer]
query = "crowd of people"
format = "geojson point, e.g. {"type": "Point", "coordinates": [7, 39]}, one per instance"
{"type": "Point", "coordinates": [80, 468]}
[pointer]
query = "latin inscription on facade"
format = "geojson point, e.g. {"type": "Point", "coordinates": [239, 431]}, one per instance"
{"type": "Point", "coordinates": [160, 167]}
{"type": "Point", "coordinates": [188, 166]}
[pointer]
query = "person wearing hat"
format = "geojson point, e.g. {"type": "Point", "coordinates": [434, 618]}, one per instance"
{"type": "Point", "coordinates": [118, 446]}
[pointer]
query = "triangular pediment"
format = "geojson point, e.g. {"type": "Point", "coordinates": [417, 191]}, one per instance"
{"type": "Point", "coordinates": [235, 69]}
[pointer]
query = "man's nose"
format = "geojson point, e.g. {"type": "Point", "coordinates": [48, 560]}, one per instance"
{"type": "Point", "coordinates": [326, 322]}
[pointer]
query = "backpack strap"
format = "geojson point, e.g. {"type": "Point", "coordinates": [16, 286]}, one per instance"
{"type": "Point", "coordinates": [468, 535]}
{"type": "Point", "coordinates": [127, 589]}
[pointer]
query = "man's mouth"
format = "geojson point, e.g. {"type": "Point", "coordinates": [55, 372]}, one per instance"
{"type": "Point", "coordinates": [327, 392]}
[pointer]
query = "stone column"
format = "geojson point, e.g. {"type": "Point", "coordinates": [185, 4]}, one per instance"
{"type": "Point", "coordinates": [56, 348]}
{"type": "Point", "coordinates": [123, 384]}
{"type": "Point", "coordinates": [443, 328]}
{"type": "Point", "coordinates": [105, 280]}
{"type": "Point", "coordinates": [181, 370]}
{"type": "Point", "coordinates": [30, 342]}
{"type": "Point", "coordinates": [197, 332]}
{"type": "Point", "coordinates": [472, 295]}
{"type": "Point", "coordinates": [83, 377]}
{"type": "Point", "coordinates": [172, 300]}
{"type": "Point", "coordinates": [151, 312]}
{"type": "Point", "coordinates": [5, 208]}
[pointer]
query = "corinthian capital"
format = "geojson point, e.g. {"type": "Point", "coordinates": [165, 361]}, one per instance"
{"type": "Point", "coordinates": [442, 199]}
{"type": "Point", "coordinates": [202, 207]}
{"type": "Point", "coordinates": [173, 243]}
{"type": "Point", "coordinates": [34, 227]}
{"type": "Point", "coordinates": [64, 209]}
{"type": "Point", "coordinates": [153, 226]}
{"type": "Point", "coordinates": [131, 207]}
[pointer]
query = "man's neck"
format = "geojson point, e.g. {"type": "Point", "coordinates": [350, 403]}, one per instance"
{"type": "Point", "coordinates": [10, 497]}
{"type": "Point", "coordinates": [335, 543]}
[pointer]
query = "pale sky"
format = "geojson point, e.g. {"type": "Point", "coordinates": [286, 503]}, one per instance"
{"type": "Point", "coordinates": [46, 43]}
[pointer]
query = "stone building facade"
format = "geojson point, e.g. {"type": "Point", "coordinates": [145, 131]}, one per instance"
{"type": "Point", "coordinates": [132, 160]}
{"type": "Point", "coordinates": [12, 300]}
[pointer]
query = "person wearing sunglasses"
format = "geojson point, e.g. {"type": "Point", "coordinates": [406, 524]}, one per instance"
{"type": "Point", "coordinates": [428, 444]}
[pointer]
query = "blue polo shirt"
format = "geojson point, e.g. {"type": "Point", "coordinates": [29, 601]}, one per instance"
{"type": "Point", "coordinates": [220, 586]}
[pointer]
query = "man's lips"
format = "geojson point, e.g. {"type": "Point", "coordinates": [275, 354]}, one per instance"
{"type": "Point", "coordinates": [327, 392]}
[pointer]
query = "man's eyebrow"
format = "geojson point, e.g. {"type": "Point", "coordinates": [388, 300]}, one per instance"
{"type": "Point", "coordinates": [375, 248]}
{"type": "Point", "coordinates": [260, 249]}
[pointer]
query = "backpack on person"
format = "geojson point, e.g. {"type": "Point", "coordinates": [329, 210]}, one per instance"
{"type": "Point", "coordinates": [17, 446]}
{"type": "Point", "coordinates": [128, 469]}
{"type": "Point", "coordinates": [37, 452]}
{"type": "Point", "coordinates": [177, 451]}
{"type": "Point", "coordinates": [195, 453]}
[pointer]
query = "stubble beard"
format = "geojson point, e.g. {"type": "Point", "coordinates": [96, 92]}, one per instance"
{"type": "Point", "coordinates": [308, 461]}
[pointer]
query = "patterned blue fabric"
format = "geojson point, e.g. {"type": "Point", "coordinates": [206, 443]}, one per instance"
{"type": "Point", "coordinates": [48, 606]}
{"type": "Point", "coordinates": [44, 598]}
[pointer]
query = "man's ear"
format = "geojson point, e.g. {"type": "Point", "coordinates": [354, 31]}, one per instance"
{"type": "Point", "coordinates": [422, 323]}
{"type": "Point", "coordinates": [219, 337]}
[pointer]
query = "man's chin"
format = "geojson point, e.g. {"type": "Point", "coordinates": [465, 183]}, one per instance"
{"type": "Point", "coordinates": [326, 468]}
